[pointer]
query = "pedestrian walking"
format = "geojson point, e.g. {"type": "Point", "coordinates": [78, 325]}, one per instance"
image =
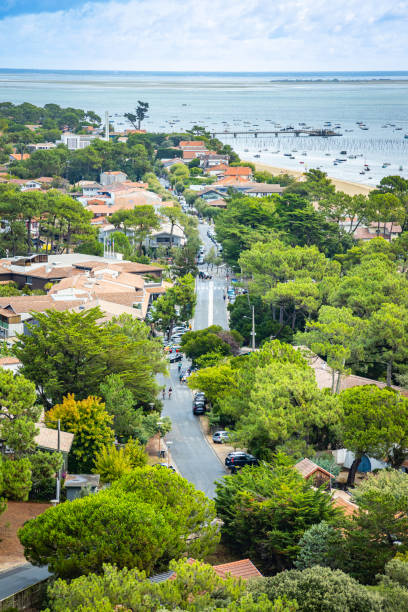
{"type": "Point", "coordinates": [170, 392]}
{"type": "Point", "coordinates": [163, 394]}
{"type": "Point", "coordinates": [179, 367]}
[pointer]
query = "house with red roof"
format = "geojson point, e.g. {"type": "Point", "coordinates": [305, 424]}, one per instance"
{"type": "Point", "coordinates": [244, 569]}
{"type": "Point", "coordinates": [242, 172]}
{"type": "Point", "coordinates": [192, 145]}
{"type": "Point", "coordinates": [19, 156]}
{"type": "Point", "coordinates": [311, 471]}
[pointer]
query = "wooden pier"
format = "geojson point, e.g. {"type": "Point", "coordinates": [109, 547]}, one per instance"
{"type": "Point", "coordinates": [283, 132]}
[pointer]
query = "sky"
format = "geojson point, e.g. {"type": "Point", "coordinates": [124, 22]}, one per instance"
{"type": "Point", "coordinates": [216, 35]}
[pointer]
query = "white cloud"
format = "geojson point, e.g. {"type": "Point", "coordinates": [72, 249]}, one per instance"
{"type": "Point", "coordinates": [233, 35]}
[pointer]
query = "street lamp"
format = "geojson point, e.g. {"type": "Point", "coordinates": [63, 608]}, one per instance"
{"type": "Point", "coordinates": [253, 332]}
{"type": "Point", "coordinates": [159, 423]}
{"type": "Point", "coordinates": [168, 453]}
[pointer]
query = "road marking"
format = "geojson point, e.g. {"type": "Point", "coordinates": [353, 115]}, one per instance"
{"type": "Point", "coordinates": [210, 303]}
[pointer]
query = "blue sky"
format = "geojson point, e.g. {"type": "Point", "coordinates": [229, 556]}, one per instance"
{"type": "Point", "coordinates": [22, 7]}
{"type": "Point", "coordinates": [232, 35]}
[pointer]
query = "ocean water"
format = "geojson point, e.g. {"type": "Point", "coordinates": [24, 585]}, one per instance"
{"type": "Point", "coordinates": [233, 102]}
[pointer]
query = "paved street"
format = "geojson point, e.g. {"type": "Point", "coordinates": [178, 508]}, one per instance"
{"type": "Point", "coordinates": [191, 453]}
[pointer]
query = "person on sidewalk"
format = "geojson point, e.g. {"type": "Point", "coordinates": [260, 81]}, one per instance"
{"type": "Point", "coordinates": [170, 392]}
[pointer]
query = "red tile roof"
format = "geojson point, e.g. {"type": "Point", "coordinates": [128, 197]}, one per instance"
{"type": "Point", "coordinates": [191, 143]}
{"type": "Point", "coordinates": [307, 468]}
{"type": "Point", "coordinates": [234, 180]}
{"type": "Point", "coordinates": [189, 154]}
{"type": "Point", "coordinates": [19, 156]}
{"type": "Point", "coordinates": [238, 569]}
{"type": "Point", "coordinates": [44, 179]}
{"type": "Point", "coordinates": [238, 171]}
{"type": "Point", "coordinates": [99, 209]}
{"type": "Point", "coordinates": [217, 168]}
{"type": "Point", "coordinates": [347, 506]}
{"type": "Point", "coordinates": [9, 361]}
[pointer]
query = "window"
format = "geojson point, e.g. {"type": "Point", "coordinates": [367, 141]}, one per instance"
{"type": "Point", "coordinates": [29, 280]}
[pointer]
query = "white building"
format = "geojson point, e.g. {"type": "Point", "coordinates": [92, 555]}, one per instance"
{"type": "Point", "coordinates": [76, 141]}
{"type": "Point", "coordinates": [41, 146]}
{"type": "Point", "coordinates": [111, 178]}
{"type": "Point", "coordinates": [164, 237]}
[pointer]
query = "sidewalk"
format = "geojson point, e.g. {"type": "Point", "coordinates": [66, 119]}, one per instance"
{"type": "Point", "coordinates": [152, 449]}
{"type": "Point", "coordinates": [221, 450]}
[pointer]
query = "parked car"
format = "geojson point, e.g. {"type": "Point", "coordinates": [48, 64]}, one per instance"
{"type": "Point", "coordinates": [173, 357]}
{"type": "Point", "coordinates": [179, 328]}
{"type": "Point", "coordinates": [200, 396]}
{"type": "Point", "coordinates": [238, 459]}
{"type": "Point", "coordinates": [198, 408]}
{"type": "Point", "coordinates": [220, 436]}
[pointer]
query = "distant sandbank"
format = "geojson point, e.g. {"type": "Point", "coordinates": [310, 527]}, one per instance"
{"type": "Point", "coordinates": [346, 186]}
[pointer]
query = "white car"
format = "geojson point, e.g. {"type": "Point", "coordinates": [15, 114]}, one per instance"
{"type": "Point", "coordinates": [220, 436]}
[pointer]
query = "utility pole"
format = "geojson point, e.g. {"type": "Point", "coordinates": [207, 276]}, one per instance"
{"type": "Point", "coordinates": [107, 126]}
{"type": "Point", "coordinates": [253, 334]}
{"type": "Point", "coordinates": [58, 495]}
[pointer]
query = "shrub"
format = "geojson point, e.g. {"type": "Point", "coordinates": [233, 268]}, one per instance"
{"type": "Point", "coordinates": [111, 463]}
{"type": "Point", "coordinates": [265, 512]}
{"type": "Point", "coordinates": [319, 589]}
{"type": "Point", "coordinates": [142, 521]}
{"type": "Point", "coordinates": [16, 478]}
{"type": "Point", "coordinates": [136, 453]}
{"type": "Point", "coordinates": [316, 545]}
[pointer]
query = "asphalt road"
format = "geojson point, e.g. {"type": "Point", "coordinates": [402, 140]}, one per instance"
{"type": "Point", "coordinates": [191, 453]}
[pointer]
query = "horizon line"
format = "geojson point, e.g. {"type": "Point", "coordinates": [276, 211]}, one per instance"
{"type": "Point", "coordinates": [226, 72]}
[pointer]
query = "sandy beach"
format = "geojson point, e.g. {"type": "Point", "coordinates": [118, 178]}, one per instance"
{"type": "Point", "coordinates": [346, 186]}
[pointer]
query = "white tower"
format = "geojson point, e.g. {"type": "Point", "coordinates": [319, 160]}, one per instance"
{"type": "Point", "coordinates": [107, 126]}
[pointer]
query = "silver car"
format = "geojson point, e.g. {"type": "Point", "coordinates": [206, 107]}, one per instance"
{"type": "Point", "coordinates": [220, 436]}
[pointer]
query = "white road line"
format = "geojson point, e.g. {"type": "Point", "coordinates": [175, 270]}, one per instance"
{"type": "Point", "coordinates": [210, 303]}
